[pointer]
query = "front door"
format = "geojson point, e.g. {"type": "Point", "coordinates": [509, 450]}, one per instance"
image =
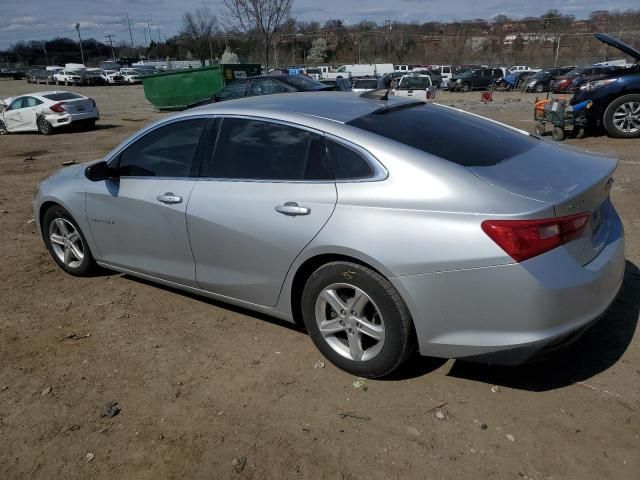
{"type": "Point", "coordinates": [138, 220]}
{"type": "Point", "coordinates": [271, 191]}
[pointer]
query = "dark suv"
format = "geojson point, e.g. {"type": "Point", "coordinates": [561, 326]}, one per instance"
{"type": "Point", "coordinates": [616, 99]}
{"type": "Point", "coordinates": [476, 79]}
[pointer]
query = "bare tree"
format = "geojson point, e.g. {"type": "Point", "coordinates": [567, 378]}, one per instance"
{"type": "Point", "coordinates": [264, 16]}
{"type": "Point", "coordinates": [197, 30]}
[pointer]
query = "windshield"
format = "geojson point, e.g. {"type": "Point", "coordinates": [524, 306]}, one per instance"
{"type": "Point", "coordinates": [304, 82]}
{"type": "Point", "coordinates": [575, 72]}
{"type": "Point", "coordinates": [542, 73]}
{"type": "Point", "coordinates": [465, 73]}
{"type": "Point", "coordinates": [435, 129]}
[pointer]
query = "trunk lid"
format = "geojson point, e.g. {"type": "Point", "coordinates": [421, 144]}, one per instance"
{"type": "Point", "coordinates": [81, 105]}
{"type": "Point", "coordinates": [573, 182]}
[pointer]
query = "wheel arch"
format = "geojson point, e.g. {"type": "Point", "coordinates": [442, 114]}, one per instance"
{"type": "Point", "coordinates": [310, 265]}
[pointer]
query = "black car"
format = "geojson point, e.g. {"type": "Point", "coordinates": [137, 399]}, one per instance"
{"type": "Point", "coordinates": [11, 73]}
{"type": "Point", "coordinates": [337, 85]}
{"type": "Point", "coordinates": [616, 98]}
{"type": "Point", "coordinates": [539, 82]}
{"type": "Point", "coordinates": [267, 85]}
{"type": "Point", "coordinates": [476, 79]}
{"type": "Point", "coordinates": [40, 75]}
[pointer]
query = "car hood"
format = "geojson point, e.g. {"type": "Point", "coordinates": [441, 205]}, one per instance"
{"type": "Point", "coordinates": [620, 45]}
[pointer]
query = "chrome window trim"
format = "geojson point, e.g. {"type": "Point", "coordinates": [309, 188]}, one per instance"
{"type": "Point", "coordinates": [380, 172]}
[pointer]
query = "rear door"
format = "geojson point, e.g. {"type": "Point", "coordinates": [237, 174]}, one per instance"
{"type": "Point", "coordinates": [138, 220]}
{"type": "Point", "coordinates": [270, 191]}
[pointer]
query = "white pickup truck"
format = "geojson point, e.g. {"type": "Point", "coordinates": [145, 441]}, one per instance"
{"type": "Point", "coordinates": [415, 86]}
{"type": "Point", "coordinates": [67, 77]}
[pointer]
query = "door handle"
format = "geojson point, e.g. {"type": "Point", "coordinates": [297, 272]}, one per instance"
{"type": "Point", "coordinates": [169, 198]}
{"type": "Point", "coordinates": [292, 209]}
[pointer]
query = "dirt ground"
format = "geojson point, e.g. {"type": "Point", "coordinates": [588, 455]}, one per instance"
{"type": "Point", "coordinates": [209, 392]}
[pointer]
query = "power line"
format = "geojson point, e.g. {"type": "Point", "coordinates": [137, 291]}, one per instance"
{"type": "Point", "coordinates": [110, 39]}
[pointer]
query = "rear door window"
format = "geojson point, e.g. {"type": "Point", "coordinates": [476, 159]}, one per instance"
{"type": "Point", "coordinates": [448, 133]}
{"type": "Point", "coordinates": [235, 89]}
{"type": "Point", "coordinates": [347, 163]}
{"type": "Point", "coordinates": [257, 150]}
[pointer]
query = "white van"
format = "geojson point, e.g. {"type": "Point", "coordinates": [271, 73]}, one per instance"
{"type": "Point", "coordinates": [365, 69]}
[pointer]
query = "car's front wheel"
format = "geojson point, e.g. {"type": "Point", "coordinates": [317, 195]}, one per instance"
{"type": "Point", "coordinates": [357, 319]}
{"type": "Point", "coordinates": [66, 243]}
{"type": "Point", "coordinates": [622, 117]}
{"type": "Point", "coordinates": [539, 87]}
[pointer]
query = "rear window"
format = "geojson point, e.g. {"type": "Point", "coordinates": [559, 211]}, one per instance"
{"type": "Point", "coordinates": [365, 84]}
{"type": "Point", "coordinates": [57, 97]}
{"type": "Point", "coordinates": [449, 134]}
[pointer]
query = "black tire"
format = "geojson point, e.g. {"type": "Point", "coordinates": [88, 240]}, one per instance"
{"type": "Point", "coordinates": [466, 87]}
{"type": "Point", "coordinates": [538, 87]}
{"type": "Point", "coordinates": [399, 341]}
{"type": "Point", "coordinates": [3, 128]}
{"type": "Point", "coordinates": [558, 134]}
{"type": "Point", "coordinates": [607, 118]}
{"type": "Point", "coordinates": [89, 124]}
{"type": "Point", "coordinates": [580, 133]}
{"type": "Point", "coordinates": [88, 264]}
{"type": "Point", "coordinates": [44, 127]}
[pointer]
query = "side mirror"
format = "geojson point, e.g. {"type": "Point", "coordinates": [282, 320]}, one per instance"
{"type": "Point", "coordinates": [99, 172]}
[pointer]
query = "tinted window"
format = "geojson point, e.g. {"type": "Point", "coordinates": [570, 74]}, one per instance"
{"type": "Point", "coordinates": [303, 83]}
{"type": "Point", "coordinates": [347, 163]}
{"type": "Point", "coordinates": [57, 97]}
{"type": "Point", "coordinates": [255, 150]}
{"type": "Point", "coordinates": [449, 134]}
{"type": "Point", "coordinates": [370, 84]}
{"type": "Point", "coordinates": [167, 151]}
{"type": "Point", "coordinates": [266, 87]}
{"type": "Point", "coordinates": [410, 83]}
{"type": "Point", "coordinates": [233, 90]}
{"type": "Point", "coordinates": [30, 102]}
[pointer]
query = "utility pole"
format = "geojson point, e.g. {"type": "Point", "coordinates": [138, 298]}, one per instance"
{"type": "Point", "coordinates": [158, 29]}
{"type": "Point", "coordinates": [110, 37]}
{"type": "Point", "coordinates": [130, 32]}
{"type": "Point", "coordinates": [149, 27]}
{"type": "Point", "coordinates": [387, 24]}
{"type": "Point", "coordinates": [80, 39]}
{"type": "Point", "coordinates": [44, 47]}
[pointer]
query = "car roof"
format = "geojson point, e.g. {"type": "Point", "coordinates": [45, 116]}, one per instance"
{"type": "Point", "coordinates": [337, 106]}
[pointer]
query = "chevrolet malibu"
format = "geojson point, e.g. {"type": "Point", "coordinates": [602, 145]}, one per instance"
{"type": "Point", "coordinates": [384, 226]}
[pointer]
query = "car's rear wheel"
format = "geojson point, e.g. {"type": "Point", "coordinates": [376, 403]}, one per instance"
{"type": "Point", "coordinates": [539, 87]}
{"type": "Point", "coordinates": [357, 319]}
{"type": "Point", "coordinates": [66, 243]}
{"type": "Point", "coordinates": [622, 117]}
{"type": "Point", "coordinates": [44, 127]}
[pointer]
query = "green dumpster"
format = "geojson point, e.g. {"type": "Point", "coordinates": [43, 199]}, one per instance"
{"type": "Point", "coordinates": [175, 90]}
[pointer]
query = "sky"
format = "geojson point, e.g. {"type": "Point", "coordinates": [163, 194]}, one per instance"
{"type": "Point", "coordinates": [45, 19]}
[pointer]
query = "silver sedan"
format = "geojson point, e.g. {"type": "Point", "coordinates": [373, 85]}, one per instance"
{"type": "Point", "coordinates": [384, 226]}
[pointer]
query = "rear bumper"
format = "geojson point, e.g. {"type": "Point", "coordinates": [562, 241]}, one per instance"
{"type": "Point", "coordinates": [509, 314]}
{"type": "Point", "coordinates": [69, 118]}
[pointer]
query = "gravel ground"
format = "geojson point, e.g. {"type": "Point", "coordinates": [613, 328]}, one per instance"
{"type": "Point", "coordinates": [208, 391]}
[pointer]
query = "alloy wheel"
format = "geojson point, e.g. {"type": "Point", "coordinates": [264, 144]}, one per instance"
{"type": "Point", "coordinates": [626, 118]}
{"type": "Point", "coordinates": [350, 322]}
{"type": "Point", "coordinates": [66, 242]}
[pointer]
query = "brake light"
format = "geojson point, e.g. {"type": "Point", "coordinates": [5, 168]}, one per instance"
{"type": "Point", "coordinates": [58, 108]}
{"type": "Point", "coordinates": [524, 239]}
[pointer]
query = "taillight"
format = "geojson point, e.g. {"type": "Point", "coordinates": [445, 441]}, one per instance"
{"type": "Point", "coordinates": [57, 108]}
{"type": "Point", "coordinates": [524, 239]}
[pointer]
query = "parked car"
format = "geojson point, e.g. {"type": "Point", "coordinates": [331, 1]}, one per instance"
{"type": "Point", "coordinates": [338, 84]}
{"type": "Point", "coordinates": [267, 85]}
{"type": "Point", "coordinates": [517, 68]}
{"type": "Point", "coordinates": [112, 77]}
{"type": "Point", "coordinates": [539, 81]}
{"type": "Point", "coordinates": [564, 83]}
{"type": "Point", "coordinates": [361, 85]}
{"type": "Point", "coordinates": [445, 72]}
{"type": "Point", "coordinates": [40, 75]}
{"type": "Point", "coordinates": [436, 77]}
{"type": "Point", "coordinates": [476, 79]}
{"type": "Point", "coordinates": [131, 75]}
{"type": "Point", "coordinates": [385, 227]}
{"type": "Point", "coordinates": [616, 99]}
{"type": "Point", "coordinates": [388, 79]}
{"type": "Point", "coordinates": [92, 77]}
{"type": "Point", "coordinates": [604, 72]}
{"type": "Point", "coordinates": [515, 80]}
{"type": "Point", "coordinates": [47, 111]}
{"type": "Point", "coordinates": [68, 77]}
{"type": "Point", "coordinates": [12, 73]}
{"type": "Point", "coordinates": [414, 86]}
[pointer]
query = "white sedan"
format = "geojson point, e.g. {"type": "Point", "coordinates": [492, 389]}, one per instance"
{"type": "Point", "coordinates": [45, 111]}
